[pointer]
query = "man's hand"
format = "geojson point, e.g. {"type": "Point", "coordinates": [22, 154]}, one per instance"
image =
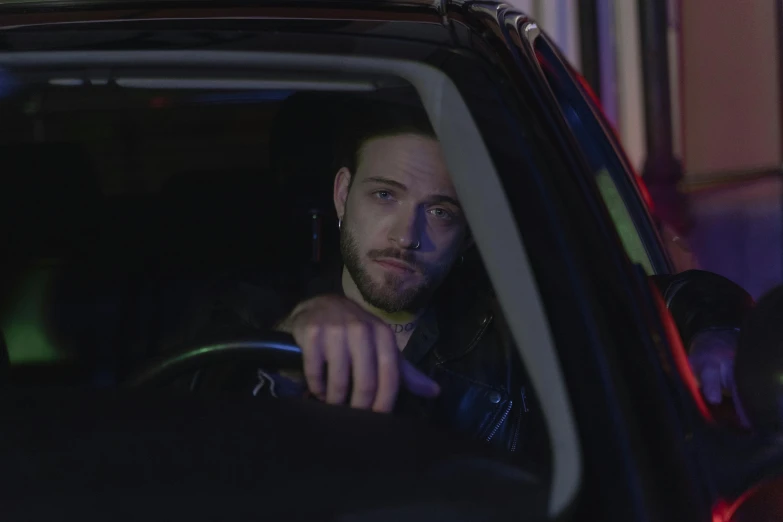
{"type": "Point", "coordinates": [360, 354]}
{"type": "Point", "coordinates": [712, 360]}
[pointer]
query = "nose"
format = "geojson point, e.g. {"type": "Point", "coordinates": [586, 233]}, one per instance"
{"type": "Point", "coordinates": [405, 230]}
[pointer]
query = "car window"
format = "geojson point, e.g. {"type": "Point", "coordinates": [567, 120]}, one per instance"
{"type": "Point", "coordinates": [151, 199]}
{"type": "Point", "coordinates": [620, 194]}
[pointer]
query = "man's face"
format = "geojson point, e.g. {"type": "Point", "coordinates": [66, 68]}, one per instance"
{"type": "Point", "coordinates": [402, 226]}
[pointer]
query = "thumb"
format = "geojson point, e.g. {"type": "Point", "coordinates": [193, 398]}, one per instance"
{"type": "Point", "coordinates": [416, 382]}
{"type": "Point", "coordinates": [711, 384]}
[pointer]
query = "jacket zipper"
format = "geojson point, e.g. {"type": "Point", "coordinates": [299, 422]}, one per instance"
{"type": "Point", "coordinates": [502, 420]}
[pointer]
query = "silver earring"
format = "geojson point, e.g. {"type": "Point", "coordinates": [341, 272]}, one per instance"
{"type": "Point", "coordinates": [417, 245]}
{"type": "Point", "coordinates": [339, 224]}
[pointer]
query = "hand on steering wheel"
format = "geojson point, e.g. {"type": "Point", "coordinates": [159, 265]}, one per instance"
{"type": "Point", "coordinates": [343, 348]}
{"type": "Point", "coordinates": [359, 352]}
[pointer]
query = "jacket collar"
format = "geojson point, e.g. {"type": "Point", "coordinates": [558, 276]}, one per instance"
{"type": "Point", "coordinates": [466, 326]}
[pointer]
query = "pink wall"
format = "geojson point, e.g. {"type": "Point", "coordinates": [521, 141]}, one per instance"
{"type": "Point", "coordinates": [730, 86]}
{"type": "Point", "coordinates": [731, 118]}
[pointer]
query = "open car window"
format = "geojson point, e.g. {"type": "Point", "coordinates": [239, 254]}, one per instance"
{"type": "Point", "coordinates": [138, 190]}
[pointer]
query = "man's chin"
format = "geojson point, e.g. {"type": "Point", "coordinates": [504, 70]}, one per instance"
{"type": "Point", "coordinates": [394, 285]}
{"type": "Point", "coordinates": [389, 291]}
{"type": "Point", "coordinates": [390, 304]}
{"type": "Point", "coordinates": [393, 298]}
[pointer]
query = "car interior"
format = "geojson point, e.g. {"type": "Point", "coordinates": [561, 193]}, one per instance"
{"type": "Point", "coordinates": [127, 202]}
{"type": "Point", "coordinates": [132, 207]}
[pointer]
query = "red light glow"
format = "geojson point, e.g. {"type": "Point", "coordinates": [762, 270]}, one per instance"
{"type": "Point", "coordinates": [724, 511]}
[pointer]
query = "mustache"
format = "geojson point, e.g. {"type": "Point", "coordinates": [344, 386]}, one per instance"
{"type": "Point", "coordinates": [395, 253]}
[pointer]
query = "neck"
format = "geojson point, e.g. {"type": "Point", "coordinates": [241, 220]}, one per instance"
{"type": "Point", "coordinates": [401, 323]}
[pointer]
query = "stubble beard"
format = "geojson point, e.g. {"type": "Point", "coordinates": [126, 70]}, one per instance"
{"type": "Point", "coordinates": [391, 295]}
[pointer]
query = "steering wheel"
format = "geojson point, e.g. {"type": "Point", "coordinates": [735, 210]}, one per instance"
{"type": "Point", "coordinates": [271, 350]}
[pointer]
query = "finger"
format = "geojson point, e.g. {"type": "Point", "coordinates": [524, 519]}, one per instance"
{"type": "Point", "coordinates": [417, 382]}
{"type": "Point", "coordinates": [388, 368]}
{"type": "Point", "coordinates": [338, 365]}
{"type": "Point", "coordinates": [363, 366]}
{"type": "Point", "coordinates": [711, 386]}
{"type": "Point", "coordinates": [312, 347]}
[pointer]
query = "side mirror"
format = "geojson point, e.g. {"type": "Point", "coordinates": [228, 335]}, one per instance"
{"type": "Point", "coordinates": [758, 366]}
{"type": "Point", "coordinates": [699, 300]}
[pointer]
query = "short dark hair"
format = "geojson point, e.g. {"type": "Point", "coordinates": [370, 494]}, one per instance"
{"type": "Point", "coordinates": [365, 121]}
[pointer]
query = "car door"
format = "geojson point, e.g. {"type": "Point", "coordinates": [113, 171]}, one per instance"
{"type": "Point", "coordinates": [715, 477]}
{"type": "Point", "coordinates": [635, 416]}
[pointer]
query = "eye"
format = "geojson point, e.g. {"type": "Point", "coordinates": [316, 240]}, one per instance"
{"type": "Point", "coordinates": [383, 194]}
{"type": "Point", "coordinates": [441, 213]}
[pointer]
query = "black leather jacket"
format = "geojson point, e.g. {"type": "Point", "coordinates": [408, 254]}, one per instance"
{"type": "Point", "coordinates": [484, 388]}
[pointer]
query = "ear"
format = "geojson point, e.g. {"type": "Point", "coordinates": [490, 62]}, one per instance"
{"type": "Point", "coordinates": [341, 183]}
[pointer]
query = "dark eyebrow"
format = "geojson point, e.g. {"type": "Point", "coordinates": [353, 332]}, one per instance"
{"type": "Point", "coordinates": [437, 198]}
{"type": "Point", "coordinates": [386, 181]}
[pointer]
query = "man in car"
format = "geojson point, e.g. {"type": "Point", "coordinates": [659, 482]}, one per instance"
{"type": "Point", "coordinates": [408, 323]}
{"type": "Point", "coordinates": [391, 320]}
{"type": "Point", "coordinates": [402, 230]}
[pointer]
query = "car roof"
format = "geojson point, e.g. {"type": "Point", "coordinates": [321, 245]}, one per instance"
{"type": "Point", "coordinates": [246, 3]}
{"type": "Point", "coordinates": [65, 23]}
{"type": "Point", "coordinates": [59, 5]}
{"type": "Point", "coordinates": [16, 14]}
